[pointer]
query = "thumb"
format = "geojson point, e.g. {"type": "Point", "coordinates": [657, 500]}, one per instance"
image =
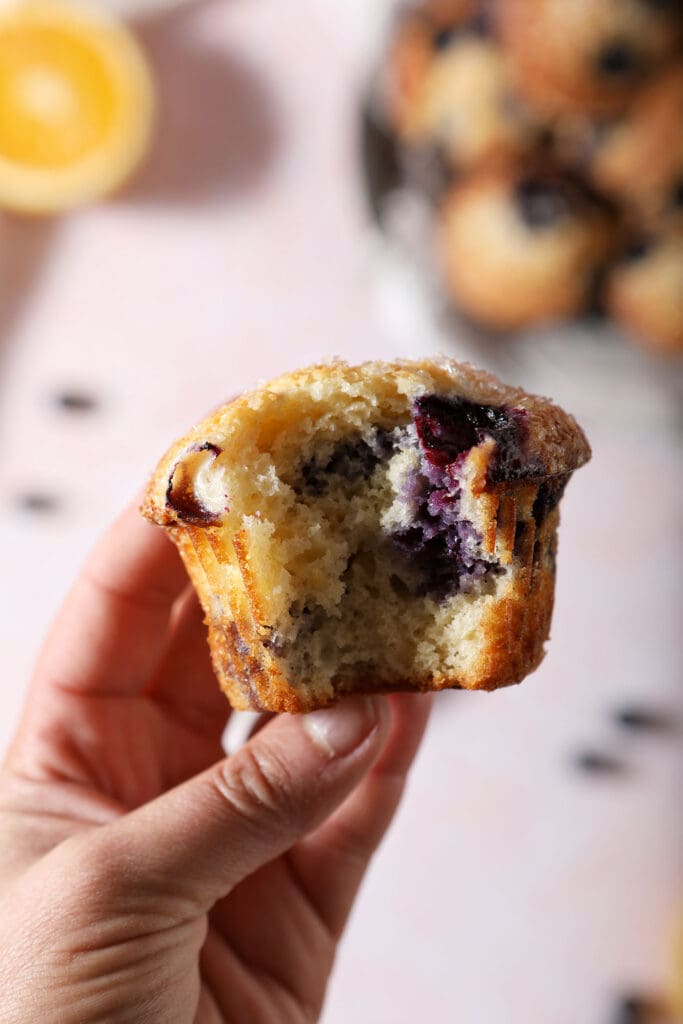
{"type": "Point", "coordinates": [200, 839]}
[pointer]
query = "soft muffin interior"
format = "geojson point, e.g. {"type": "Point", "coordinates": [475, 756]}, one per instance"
{"type": "Point", "coordinates": [367, 532]}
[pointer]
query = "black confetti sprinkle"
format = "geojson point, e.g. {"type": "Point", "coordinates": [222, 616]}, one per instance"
{"type": "Point", "coordinates": [593, 762]}
{"type": "Point", "coordinates": [37, 502]}
{"type": "Point", "coordinates": [75, 401]}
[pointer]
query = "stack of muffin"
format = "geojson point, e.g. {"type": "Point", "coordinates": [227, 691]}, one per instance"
{"type": "Point", "coordinates": [556, 127]}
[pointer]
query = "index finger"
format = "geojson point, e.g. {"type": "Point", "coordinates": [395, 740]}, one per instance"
{"type": "Point", "coordinates": [111, 630]}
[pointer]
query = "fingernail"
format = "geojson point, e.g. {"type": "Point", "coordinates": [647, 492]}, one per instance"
{"type": "Point", "coordinates": [339, 730]}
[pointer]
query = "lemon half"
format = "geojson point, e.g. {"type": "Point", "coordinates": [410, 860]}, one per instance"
{"type": "Point", "coordinates": [76, 105]}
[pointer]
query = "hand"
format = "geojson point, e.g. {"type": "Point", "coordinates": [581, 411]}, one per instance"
{"type": "Point", "coordinates": [144, 877]}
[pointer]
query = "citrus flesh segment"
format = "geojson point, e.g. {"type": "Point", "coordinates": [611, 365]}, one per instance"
{"type": "Point", "coordinates": [75, 105]}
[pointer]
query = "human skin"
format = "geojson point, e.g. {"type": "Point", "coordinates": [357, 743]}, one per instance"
{"type": "Point", "coordinates": [144, 876]}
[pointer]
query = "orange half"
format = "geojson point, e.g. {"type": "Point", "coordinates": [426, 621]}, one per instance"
{"type": "Point", "coordinates": [76, 105]}
{"type": "Point", "coordinates": [677, 974]}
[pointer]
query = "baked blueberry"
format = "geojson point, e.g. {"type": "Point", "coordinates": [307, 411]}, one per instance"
{"type": "Point", "coordinates": [352, 461]}
{"type": "Point", "coordinates": [618, 59]}
{"type": "Point", "coordinates": [541, 203]}
{"type": "Point", "coordinates": [183, 497]}
{"type": "Point", "coordinates": [677, 193]}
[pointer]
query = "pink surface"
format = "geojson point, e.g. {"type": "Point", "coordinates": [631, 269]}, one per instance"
{"type": "Point", "coordinates": [512, 890]}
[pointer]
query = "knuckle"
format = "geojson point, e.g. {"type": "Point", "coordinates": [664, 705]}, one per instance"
{"type": "Point", "coordinates": [258, 786]}
{"type": "Point", "coordinates": [98, 865]}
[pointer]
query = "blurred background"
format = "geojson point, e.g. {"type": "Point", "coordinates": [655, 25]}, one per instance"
{"type": "Point", "coordinates": [196, 196]}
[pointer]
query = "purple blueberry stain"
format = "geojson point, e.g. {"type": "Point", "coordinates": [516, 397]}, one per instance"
{"type": "Point", "coordinates": [438, 553]}
{"type": "Point", "coordinates": [448, 428]}
{"type": "Point", "coordinates": [351, 461]}
{"type": "Point", "coordinates": [238, 642]}
{"type": "Point", "coordinates": [549, 494]}
{"type": "Point", "coordinates": [180, 494]}
{"type": "Point", "coordinates": [442, 547]}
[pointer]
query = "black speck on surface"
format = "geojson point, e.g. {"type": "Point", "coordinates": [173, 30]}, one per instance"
{"type": "Point", "coordinates": [380, 156]}
{"type": "Point", "coordinates": [636, 718]}
{"type": "Point", "coordinates": [630, 1010]}
{"type": "Point", "coordinates": [37, 502]}
{"type": "Point", "coordinates": [75, 401]}
{"type": "Point", "coordinates": [595, 762]}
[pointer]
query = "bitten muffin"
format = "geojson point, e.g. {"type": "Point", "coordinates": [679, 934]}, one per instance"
{"type": "Point", "coordinates": [447, 87]}
{"type": "Point", "coordinates": [390, 526]}
{"type": "Point", "coordinates": [645, 293]}
{"type": "Point", "coordinates": [521, 247]}
{"type": "Point", "coordinates": [638, 158]}
{"type": "Point", "coordinates": [586, 55]}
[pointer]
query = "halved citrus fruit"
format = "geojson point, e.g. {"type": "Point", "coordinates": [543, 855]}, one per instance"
{"type": "Point", "coordinates": [76, 105]}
